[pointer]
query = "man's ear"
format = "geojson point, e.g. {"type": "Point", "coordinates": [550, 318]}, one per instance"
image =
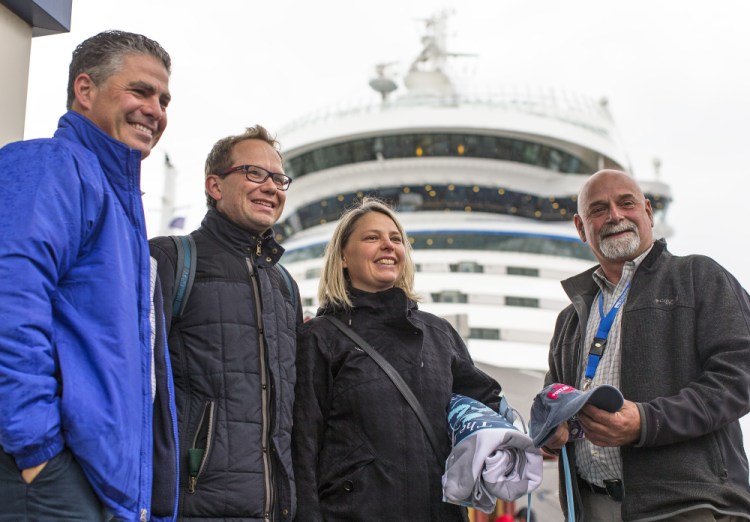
{"type": "Point", "coordinates": [579, 227]}
{"type": "Point", "coordinates": [213, 186]}
{"type": "Point", "coordinates": [650, 212]}
{"type": "Point", "coordinates": [84, 90]}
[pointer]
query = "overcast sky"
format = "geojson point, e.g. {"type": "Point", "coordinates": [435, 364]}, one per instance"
{"type": "Point", "coordinates": [676, 75]}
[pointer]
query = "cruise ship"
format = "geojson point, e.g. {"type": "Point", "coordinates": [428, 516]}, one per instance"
{"type": "Point", "coordinates": [486, 187]}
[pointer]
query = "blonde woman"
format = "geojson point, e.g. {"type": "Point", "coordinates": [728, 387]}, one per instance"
{"type": "Point", "coordinates": [360, 452]}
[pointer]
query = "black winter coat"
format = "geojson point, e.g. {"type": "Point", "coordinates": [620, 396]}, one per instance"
{"type": "Point", "coordinates": [234, 375]}
{"type": "Point", "coordinates": [359, 450]}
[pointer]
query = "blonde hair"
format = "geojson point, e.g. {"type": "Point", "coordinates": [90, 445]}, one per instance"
{"type": "Point", "coordinates": [332, 289]}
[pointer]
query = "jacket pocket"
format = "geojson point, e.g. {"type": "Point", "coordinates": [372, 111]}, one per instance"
{"type": "Point", "coordinates": [200, 449]}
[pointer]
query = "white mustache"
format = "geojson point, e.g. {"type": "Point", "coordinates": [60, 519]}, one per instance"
{"type": "Point", "coordinates": [616, 228]}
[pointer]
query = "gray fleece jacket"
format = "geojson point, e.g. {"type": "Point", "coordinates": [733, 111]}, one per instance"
{"type": "Point", "coordinates": [686, 363]}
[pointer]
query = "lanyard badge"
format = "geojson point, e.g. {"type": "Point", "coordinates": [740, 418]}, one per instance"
{"type": "Point", "coordinates": [600, 339]}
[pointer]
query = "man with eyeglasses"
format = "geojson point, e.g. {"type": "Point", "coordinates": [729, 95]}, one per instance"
{"type": "Point", "coordinates": [233, 344]}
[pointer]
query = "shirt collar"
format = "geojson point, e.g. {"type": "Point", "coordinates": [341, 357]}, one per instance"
{"type": "Point", "coordinates": [628, 270]}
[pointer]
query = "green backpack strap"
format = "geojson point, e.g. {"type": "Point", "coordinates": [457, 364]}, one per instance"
{"type": "Point", "coordinates": [184, 273]}
{"type": "Point", "coordinates": [288, 279]}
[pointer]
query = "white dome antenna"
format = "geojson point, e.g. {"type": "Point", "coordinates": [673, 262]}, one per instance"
{"type": "Point", "coordinates": [382, 83]}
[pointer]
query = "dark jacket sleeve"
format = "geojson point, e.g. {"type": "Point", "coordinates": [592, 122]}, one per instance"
{"type": "Point", "coordinates": [720, 391]}
{"type": "Point", "coordinates": [468, 379]}
{"type": "Point", "coordinates": [311, 406]}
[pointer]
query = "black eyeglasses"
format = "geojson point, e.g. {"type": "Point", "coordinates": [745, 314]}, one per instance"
{"type": "Point", "coordinates": [260, 175]}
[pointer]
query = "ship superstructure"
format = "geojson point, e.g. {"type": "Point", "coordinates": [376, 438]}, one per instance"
{"type": "Point", "coordinates": [486, 187]}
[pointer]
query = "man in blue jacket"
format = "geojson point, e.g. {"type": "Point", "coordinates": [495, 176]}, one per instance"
{"type": "Point", "coordinates": [78, 378]}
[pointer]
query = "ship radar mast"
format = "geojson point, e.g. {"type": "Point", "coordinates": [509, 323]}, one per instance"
{"type": "Point", "coordinates": [426, 77]}
{"type": "Point", "coordinates": [427, 72]}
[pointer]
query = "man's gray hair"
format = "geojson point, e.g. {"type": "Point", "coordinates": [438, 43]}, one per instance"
{"type": "Point", "coordinates": [101, 56]}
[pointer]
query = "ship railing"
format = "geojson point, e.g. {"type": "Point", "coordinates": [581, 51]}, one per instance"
{"type": "Point", "coordinates": [569, 107]}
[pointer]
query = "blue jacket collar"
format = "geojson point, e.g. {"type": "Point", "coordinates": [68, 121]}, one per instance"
{"type": "Point", "coordinates": [120, 163]}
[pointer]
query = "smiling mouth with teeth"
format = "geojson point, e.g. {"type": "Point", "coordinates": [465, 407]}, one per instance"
{"type": "Point", "coordinates": [385, 262]}
{"type": "Point", "coordinates": [142, 128]}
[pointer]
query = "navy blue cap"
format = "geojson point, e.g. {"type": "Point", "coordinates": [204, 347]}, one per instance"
{"type": "Point", "coordinates": [557, 403]}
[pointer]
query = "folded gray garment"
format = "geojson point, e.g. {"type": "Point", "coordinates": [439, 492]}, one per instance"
{"type": "Point", "coordinates": [490, 459]}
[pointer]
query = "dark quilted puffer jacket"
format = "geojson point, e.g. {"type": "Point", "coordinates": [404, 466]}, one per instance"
{"type": "Point", "coordinates": [232, 354]}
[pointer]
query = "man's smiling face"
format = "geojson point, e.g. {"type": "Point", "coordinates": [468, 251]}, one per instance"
{"type": "Point", "coordinates": [614, 217]}
{"type": "Point", "coordinates": [252, 206]}
{"type": "Point", "coordinates": [130, 105]}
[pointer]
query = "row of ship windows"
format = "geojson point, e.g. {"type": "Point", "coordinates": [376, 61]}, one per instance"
{"type": "Point", "coordinates": [507, 334]}
{"type": "Point", "coordinates": [442, 198]}
{"type": "Point", "coordinates": [432, 145]}
{"type": "Point", "coordinates": [489, 334]}
{"type": "Point", "coordinates": [452, 296]}
{"type": "Point", "coordinates": [487, 241]}
{"type": "Point", "coordinates": [465, 267]}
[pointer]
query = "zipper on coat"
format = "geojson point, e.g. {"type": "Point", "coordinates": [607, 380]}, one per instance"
{"type": "Point", "coordinates": [198, 452]}
{"type": "Point", "coordinates": [264, 394]}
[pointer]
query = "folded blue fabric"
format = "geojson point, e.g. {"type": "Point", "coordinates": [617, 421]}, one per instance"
{"type": "Point", "coordinates": [490, 459]}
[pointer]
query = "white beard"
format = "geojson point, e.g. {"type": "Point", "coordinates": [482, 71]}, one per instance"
{"type": "Point", "coordinates": [620, 248]}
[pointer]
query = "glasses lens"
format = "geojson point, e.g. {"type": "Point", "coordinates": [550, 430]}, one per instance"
{"type": "Point", "coordinates": [260, 175]}
{"type": "Point", "coordinates": [256, 174]}
{"type": "Point", "coordinates": [281, 181]}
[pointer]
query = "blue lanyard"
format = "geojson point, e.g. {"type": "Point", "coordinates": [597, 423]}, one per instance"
{"type": "Point", "coordinates": [600, 340]}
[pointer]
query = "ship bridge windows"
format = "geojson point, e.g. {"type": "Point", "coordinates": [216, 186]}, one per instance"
{"type": "Point", "coordinates": [528, 302]}
{"type": "Point", "coordinates": [490, 334]}
{"type": "Point", "coordinates": [472, 240]}
{"type": "Point", "coordinates": [449, 296]}
{"type": "Point", "coordinates": [455, 296]}
{"type": "Point", "coordinates": [522, 271]}
{"type": "Point", "coordinates": [444, 198]}
{"type": "Point", "coordinates": [502, 242]}
{"type": "Point", "coordinates": [509, 335]}
{"type": "Point", "coordinates": [467, 267]}
{"type": "Point", "coordinates": [430, 144]}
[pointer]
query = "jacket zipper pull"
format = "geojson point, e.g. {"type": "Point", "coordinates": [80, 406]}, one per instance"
{"type": "Point", "coordinates": [257, 248]}
{"type": "Point", "coordinates": [192, 481]}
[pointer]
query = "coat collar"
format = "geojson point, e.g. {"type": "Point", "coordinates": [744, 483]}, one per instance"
{"type": "Point", "coordinates": [240, 241]}
{"type": "Point", "coordinates": [120, 164]}
{"type": "Point", "coordinates": [388, 306]}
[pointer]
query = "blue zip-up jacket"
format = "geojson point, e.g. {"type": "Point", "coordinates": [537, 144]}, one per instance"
{"type": "Point", "coordinates": [75, 331]}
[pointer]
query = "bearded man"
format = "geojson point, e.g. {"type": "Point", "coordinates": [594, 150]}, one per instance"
{"type": "Point", "coordinates": [673, 334]}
